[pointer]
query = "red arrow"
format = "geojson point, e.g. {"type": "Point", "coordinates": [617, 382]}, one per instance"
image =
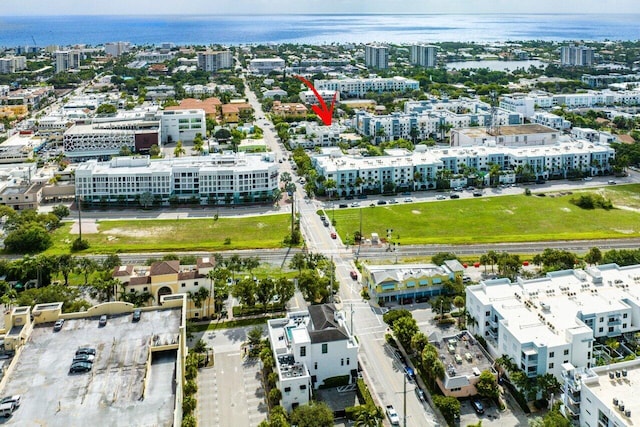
{"type": "Point", "coordinates": [322, 111]}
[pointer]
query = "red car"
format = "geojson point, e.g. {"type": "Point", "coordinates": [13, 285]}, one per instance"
{"type": "Point", "coordinates": [354, 275]}
{"type": "Point", "coordinates": [333, 235]}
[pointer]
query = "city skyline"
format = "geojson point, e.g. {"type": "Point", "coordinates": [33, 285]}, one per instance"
{"type": "Point", "coordinates": [161, 7]}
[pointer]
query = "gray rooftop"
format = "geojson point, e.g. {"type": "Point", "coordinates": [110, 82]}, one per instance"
{"type": "Point", "coordinates": [113, 393]}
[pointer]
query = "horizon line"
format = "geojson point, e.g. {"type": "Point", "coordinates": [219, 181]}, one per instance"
{"type": "Point", "coordinates": [323, 13]}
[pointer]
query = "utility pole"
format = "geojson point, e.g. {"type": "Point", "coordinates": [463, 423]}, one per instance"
{"type": "Point", "coordinates": [293, 213]}
{"type": "Point", "coordinates": [78, 204]}
{"type": "Point", "coordinates": [405, 400]}
{"type": "Point", "coordinates": [360, 240]}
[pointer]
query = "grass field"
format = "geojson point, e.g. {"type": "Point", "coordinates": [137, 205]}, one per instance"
{"type": "Point", "coordinates": [266, 231]}
{"type": "Point", "coordinates": [517, 218]}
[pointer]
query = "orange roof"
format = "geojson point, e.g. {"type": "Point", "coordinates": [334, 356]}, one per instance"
{"type": "Point", "coordinates": [209, 105]}
{"type": "Point", "coordinates": [627, 139]}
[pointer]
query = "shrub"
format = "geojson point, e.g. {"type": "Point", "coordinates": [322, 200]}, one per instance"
{"type": "Point", "coordinates": [592, 201]}
{"type": "Point", "coordinates": [391, 316]}
{"type": "Point", "coordinates": [335, 381]}
{"type": "Point", "coordinates": [364, 396]}
{"type": "Point", "coordinates": [79, 245]}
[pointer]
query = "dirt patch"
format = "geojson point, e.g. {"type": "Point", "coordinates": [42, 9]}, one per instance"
{"type": "Point", "coordinates": [565, 209]}
{"type": "Point", "coordinates": [509, 211]}
{"type": "Point", "coordinates": [416, 212]}
{"type": "Point", "coordinates": [89, 226]}
{"type": "Point", "coordinates": [146, 232]}
{"type": "Point", "coordinates": [624, 231]}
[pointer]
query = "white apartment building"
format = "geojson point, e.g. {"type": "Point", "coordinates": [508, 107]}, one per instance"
{"type": "Point", "coordinates": [357, 88]}
{"type": "Point", "coordinates": [212, 61]}
{"type": "Point", "coordinates": [310, 347]}
{"type": "Point", "coordinates": [116, 49]}
{"type": "Point", "coordinates": [308, 97]}
{"type": "Point", "coordinates": [153, 57]}
{"type": "Point", "coordinates": [266, 65]}
{"type": "Point", "coordinates": [524, 105]}
{"type": "Point", "coordinates": [376, 56]}
{"type": "Point", "coordinates": [216, 178]}
{"type": "Point", "coordinates": [4, 90]}
{"type": "Point", "coordinates": [67, 60]}
{"type": "Point", "coordinates": [550, 120]}
{"type": "Point", "coordinates": [423, 55]}
{"type": "Point", "coordinates": [182, 125]}
{"type": "Point", "coordinates": [543, 324]}
{"type": "Point", "coordinates": [316, 135]}
{"type": "Point", "coordinates": [602, 396]}
{"type": "Point", "coordinates": [519, 135]}
{"type": "Point", "coordinates": [418, 170]}
{"type": "Point", "coordinates": [11, 64]}
{"type": "Point", "coordinates": [103, 140]}
{"type": "Point", "coordinates": [580, 56]}
{"type": "Point", "coordinates": [426, 124]}
{"type": "Point", "coordinates": [200, 90]}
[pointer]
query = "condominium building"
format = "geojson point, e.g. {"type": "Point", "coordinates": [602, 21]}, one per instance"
{"type": "Point", "coordinates": [602, 396]}
{"type": "Point", "coordinates": [30, 96]}
{"type": "Point", "coordinates": [581, 56]}
{"type": "Point", "coordinates": [214, 179]}
{"type": "Point", "coordinates": [166, 278]}
{"type": "Point", "coordinates": [103, 140]}
{"type": "Point", "coordinates": [518, 135]}
{"type": "Point", "coordinates": [116, 49]}
{"type": "Point", "coordinates": [182, 125]}
{"type": "Point", "coordinates": [543, 324]}
{"type": "Point", "coordinates": [328, 96]}
{"type": "Point", "coordinates": [212, 61]}
{"type": "Point", "coordinates": [406, 283]}
{"type": "Point", "coordinates": [309, 347]}
{"type": "Point", "coordinates": [266, 65]}
{"type": "Point", "coordinates": [357, 87]}
{"type": "Point", "coordinates": [289, 109]}
{"type": "Point", "coordinates": [376, 56]}
{"type": "Point", "coordinates": [11, 64]}
{"type": "Point", "coordinates": [315, 135]}
{"type": "Point", "coordinates": [551, 120]}
{"type": "Point", "coordinates": [154, 57]}
{"type": "Point", "coordinates": [423, 55]}
{"type": "Point", "coordinates": [419, 170]}
{"type": "Point", "coordinates": [67, 60]}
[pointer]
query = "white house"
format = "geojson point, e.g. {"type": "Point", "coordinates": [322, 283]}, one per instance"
{"type": "Point", "coordinates": [309, 347]}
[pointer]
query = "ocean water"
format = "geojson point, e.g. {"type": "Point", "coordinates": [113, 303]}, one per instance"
{"type": "Point", "coordinates": [313, 29]}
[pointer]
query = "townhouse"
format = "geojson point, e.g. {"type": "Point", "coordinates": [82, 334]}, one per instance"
{"type": "Point", "coordinates": [310, 347]}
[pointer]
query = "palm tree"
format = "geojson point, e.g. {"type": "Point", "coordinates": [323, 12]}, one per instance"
{"type": "Point", "coordinates": [179, 150]}
{"type": "Point", "coordinates": [368, 416]}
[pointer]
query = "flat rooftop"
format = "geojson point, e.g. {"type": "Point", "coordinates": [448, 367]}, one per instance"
{"type": "Point", "coordinates": [469, 356]}
{"type": "Point", "coordinates": [120, 390]}
{"type": "Point", "coordinates": [622, 388]}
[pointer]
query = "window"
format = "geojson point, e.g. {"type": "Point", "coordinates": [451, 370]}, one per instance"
{"type": "Point", "coordinates": [325, 348]}
{"type": "Point", "coordinates": [610, 328]}
{"type": "Point", "coordinates": [195, 283]}
{"type": "Point", "coordinates": [565, 361]}
{"type": "Point", "coordinates": [287, 389]}
{"type": "Point", "coordinates": [552, 354]}
{"type": "Point", "coordinates": [487, 313]}
{"type": "Point", "coordinates": [303, 351]}
{"type": "Point", "coordinates": [566, 352]}
{"type": "Point", "coordinates": [303, 387]}
{"type": "Point", "coordinates": [624, 325]}
{"type": "Point", "coordinates": [624, 315]}
{"type": "Point", "coordinates": [145, 289]}
{"type": "Point", "coordinates": [550, 365]}
{"type": "Point", "coordinates": [315, 366]}
{"type": "Point", "coordinates": [600, 329]}
{"type": "Point", "coordinates": [347, 361]}
{"type": "Point", "coordinates": [341, 362]}
{"type": "Point", "coordinates": [601, 319]}
{"type": "Point", "coordinates": [183, 285]}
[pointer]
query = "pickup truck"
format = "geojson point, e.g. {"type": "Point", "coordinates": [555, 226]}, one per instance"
{"type": "Point", "coordinates": [393, 416]}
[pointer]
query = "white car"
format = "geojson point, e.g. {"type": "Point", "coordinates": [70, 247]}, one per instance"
{"type": "Point", "coordinates": [394, 419]}
{"type": "Point", "coordinates": [440, 197]}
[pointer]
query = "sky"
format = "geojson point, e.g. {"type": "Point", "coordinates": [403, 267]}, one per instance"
{"type": "Point", "coordinates": [187, 7]}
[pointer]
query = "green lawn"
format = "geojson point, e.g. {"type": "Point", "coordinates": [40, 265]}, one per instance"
{"type": "Point", "coordinates": [172, 235]}
{"type": "Point", "coordinates": [499, 219]}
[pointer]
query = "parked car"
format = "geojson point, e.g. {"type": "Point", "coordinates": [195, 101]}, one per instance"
{"type": "Point", "coordinates": [58, 325]}
{"type": "Point", "coordinates": [440, 197]}
{"type": "Point", "coordinates": [15, 400]}
{"type": "Point", "coordinates": [355, 204]}
{"type": "Point", "coordinates": [6, 409]}
{"type": "Point", "coordinates": [408, 200]}
{"type": "Point", "coordinates": [86, 350]}
{"type": "Point", "coordinates": [334, 235]}
{"type": "Point", "coordinates": [103, 320]}
{"type": "Point", "coordinates": [477, 406]}
{"type": "Point", "coordinates": [419, 394]}
{"type": "Point", "coordinates": [354, 275]}
{"type": "Point", "coordinates": [136, 315]}
{"type": "Point", "coordinates": [343, 205]}
{"type": "Point", "coordinates": [411, 376]}
{"type": "Point", "coordinates": [393, 202]}
{"type": "Point", "coordinates": [83, 358]}
{"type": "Point", "coordinates": [80, 367]}
{"type": "Point", "coordinates": [477, 194]}
{"type": "Point", "coordinates": [326, 223]}
{"type": "Point", "coordinates": [454, 196]}
{"type": "Point", "coordinates": [362, 196]}
{"type": "Point", "coordinates": [394, 419]}
{"type": "Point", "coordinates": [382, 202]}
{"type": "Point", "coordinates": [611, 182]}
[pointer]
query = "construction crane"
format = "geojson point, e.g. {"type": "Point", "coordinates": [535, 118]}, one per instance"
{"type": "Point", "coordinates": [34, 41]}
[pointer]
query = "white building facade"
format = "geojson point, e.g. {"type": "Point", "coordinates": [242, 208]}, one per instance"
{"type": "Point", "coordinates": [376, 56]}
{"type": "Point", "coordinates": [212, 61]}
{"type": "Point", "coordinates": [182, 125]}
{"type": "Point", "coordinates": [423, 55]}
{"type": "Point", "coordinates": [67, 60]}
{"type": "Point", "coordinates": [266, 65]}
{"type": "Point", "coordinates": [357, 88]}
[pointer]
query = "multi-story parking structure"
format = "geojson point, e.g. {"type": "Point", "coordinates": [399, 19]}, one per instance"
{"type": "Point", "coordinates": [214, 179]}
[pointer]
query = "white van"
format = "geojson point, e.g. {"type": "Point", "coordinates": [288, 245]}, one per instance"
{"type": "Point", "coordinates": [6, 409]}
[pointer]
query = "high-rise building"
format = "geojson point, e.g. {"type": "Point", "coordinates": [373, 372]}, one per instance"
{"type": "Point", "coordinates": [423, 55]}
{"type": "Point", "coordinates": [212, 61]}
{"type": "Point", "coordinates": [376, 56]}
{"type": "Point", "coordinates": [117, 48]}
{"type": "Point", "coordinates": [67, 60]}
{"type": "Point", "coordinates": [11, 64]}
{"type": "Point", "coordinates": [576, 55]}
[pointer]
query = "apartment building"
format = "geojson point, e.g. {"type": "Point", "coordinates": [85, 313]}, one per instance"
{"type": "Point", "coordinates": [30, 96]}
{"type": "Point", "coordinates": [357, 87]}
{"type": "Point", "coordinates": [310, 347]}
{"type": "Point", "coordinates": [315, 135]}
{"type": "Point", "coordinates": [103, 140]}
{"type": "Point", "coordinates": [212, 61]}
{"type": "Point", "coordinates": [419, 170]}
{"type": "Point", "coordinates": [328, 96]}
{"type": "Point", "coordinates": [580, 56]}
{"type": "Point", "coordinates": [154, 57]}
{"type": "Point", "coordinates": [213, 179]}
{"type": "Point", "coordinates": [67, 60]}
{"type": "Point", "coordinates": [550, 120]}
{"type": "Point", "coordinates": [116, 49]}
{"type": "Point", "coordinates": [517, 135]}
{"type": "Point", "coordinates": [543, 324]}
{"type": "Point", "coordinates": [266, 65]}
{"type": "Point", "coordinates": [289, 109]}
{"type": "Point", "coordinates": [376, 56]}
{"type": "Point", "coordinates": [167, 278]}
{"type": "Point", "coordinates": [602, 396]}
{"type": "Point", "coordinates": [406, 283]}
{"type": "Point", "coordinates": [11, 64]}
{"type": "Point", "coordinates": [182, 125]}
{"type": "Point", "coordinates": [423, 55]}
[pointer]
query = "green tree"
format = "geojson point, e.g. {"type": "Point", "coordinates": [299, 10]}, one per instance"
{"type": "Point", "coordinates": [179, 150]}
{"type": "Point", "coordinates": [61, 211]}
{"type": "Point", "coordinates": [548, 384]}
{"type": "Point", "coordinates": [391, 316]}
{"type": "Point", "coordinates": [106, 109]}
{"type": "Point", "coordinates": [285, 289]}
{"type": "Point", "coordinates": [404, 329]}
{"type": "Point", "coordinates": [316, 414]}
{"type": "Point", "coordinates": [368, 416]}
{"type": "Point", "coordinates": [487, 385]}
{"type": "Point", "coordinates": [154, 150]}
{"type": "Point", "coordinates": [28, 238]}
{"type": "Point", "coordinates": [111, 261]}
{"type": "Point", "coordinates": [254, 338]}
{"type": "Point", "coordinates": [146, 199]}
{"type": "Point", "coordinates": [440, 257]}
{"type": "Point", "coordinates": [125, 151]}
{"type": "Point", "coordinates": [594, 256]}
{"type": "Point", "coordinates": [265, 290]}
{"type": "Point", "coordinates": [448, 406]}
{"type": "Point", "coordinates": [245, 291]}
